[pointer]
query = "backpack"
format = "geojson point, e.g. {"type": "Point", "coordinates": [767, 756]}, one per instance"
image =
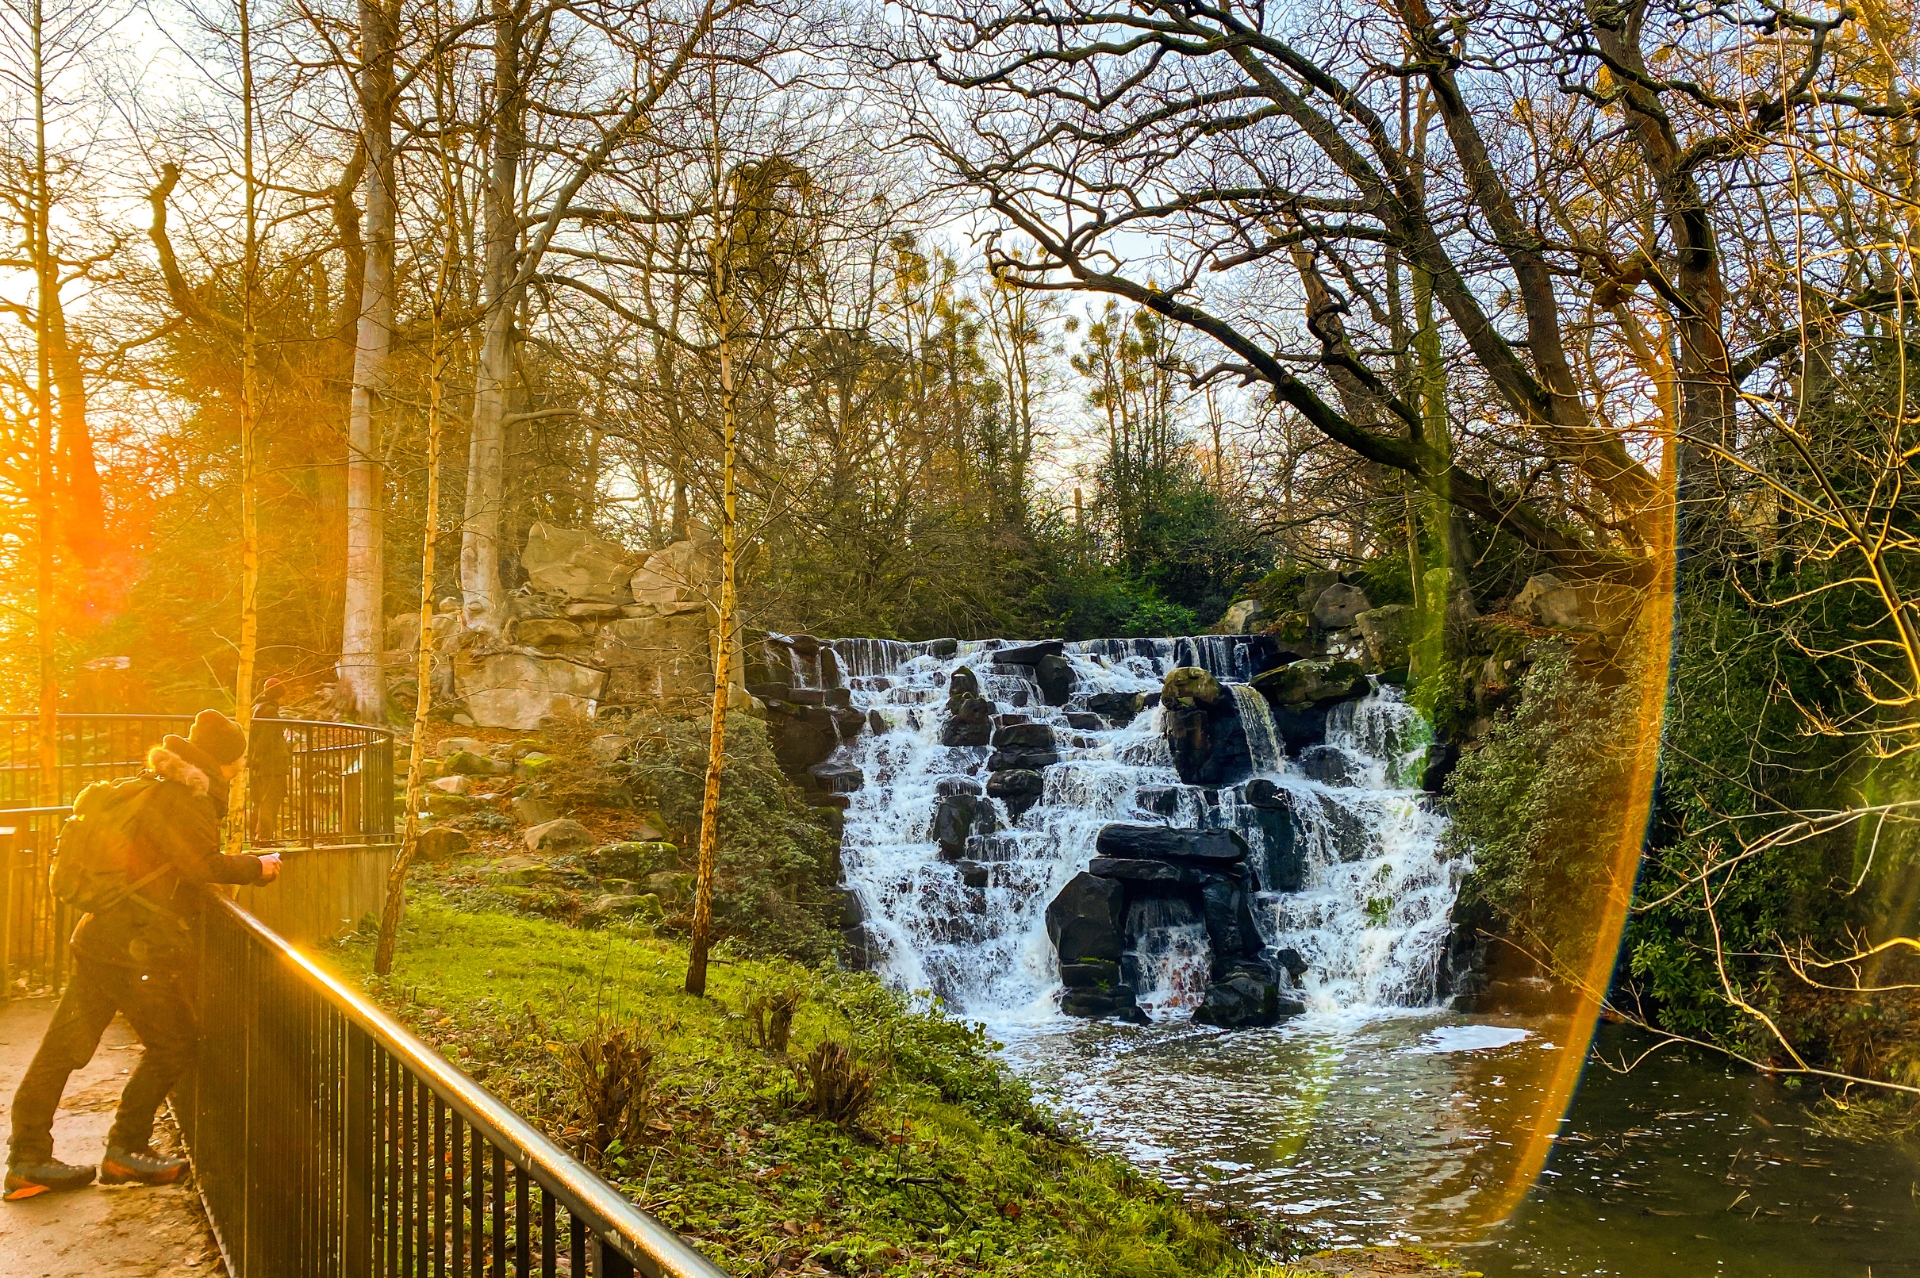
{"type": "Point", "coordinates": [92, 867]}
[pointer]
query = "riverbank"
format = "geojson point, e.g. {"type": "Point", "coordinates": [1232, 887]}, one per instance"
{"type": "Point", "coordinates": [950, 1169]}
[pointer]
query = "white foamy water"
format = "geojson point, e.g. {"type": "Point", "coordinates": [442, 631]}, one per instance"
{"type": "Point", "coordinates": [1370, 918]}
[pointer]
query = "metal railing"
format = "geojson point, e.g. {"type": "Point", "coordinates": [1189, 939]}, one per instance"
{"type": "Point", "coordinates": [34, 924]}
{"type": "Point", "coordinates": [329, 1141]}
{"type": "Point", "coordinates": [311, 784]}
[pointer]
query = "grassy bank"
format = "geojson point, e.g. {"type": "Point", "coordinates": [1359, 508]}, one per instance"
{"type": "Point", "coordinates": [950, 1169]}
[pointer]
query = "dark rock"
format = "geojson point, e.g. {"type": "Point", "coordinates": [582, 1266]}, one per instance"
{"type": "Point", "coordinates": [839, 802]}
{"type": "Point", "coordinates": [771, 691]}
{"type": "Point", "coordinates": [970, 724]}
{"type": "Point", "coordinates": [1054, 674]}
{"type": "Point", "coordinates": [803, 736]}
{"type": "Point", "coordinates": [852, 913]}
{"type": "Point", "coordinates": [1189, 686]}
{"type": "Point", "coordinates": [1338, 605]}
{"type": "Point", "coordinates": [835, 698]}
{"type": "Point", "coordinates": [1023, 736]}
{"type": "Point", "coordinates": [837, 778]}
{"type": "Point", "coordinates": [1092, 974]}
{"type": "Point", "coordinates": [1082, 722]}
{"type": "Point", "coordinates": [1442, 756]}
{"type": "Point", "coordinates": [1290, 960]}
{"type": "Point", "coordinates": [850, 722]}
{"type": "Point", "coordinates": [1086, 920]}
{"type": "Point", "coordinates": [994, 848]}
{"type": "Point", "coordinates": [876, 724]}
{"type": "Point", "coordinates": [1229, 917]}
{"type": "Point", "coordinates": [1033, 760]}
{"type": "Point", "coordinates": [1116, 1004]}
{"type": "Point", "coordinates": [957, 818]}
{"type": "Point", "coordinates": [805, 645]}
{"type": "Point", "coordinates": [1281, 865]}
{"type": "Point", "coordinates": [1122, 706]}
{"type": "Point", "coordinates": [1164, 799]}
{"type": "Point", "coordinates": [1029, 654]}
{"type": "Point", "coordinates": [1131, 870]}
{"type": "Point", "coordinates": [858, 952]}
{"type": "Point", "coordinates": [1312, 683]}
{"type": "Point", "coordinates": [964, 683]}
{"type": "Point", "coordinates": [1329, 765]}
{"type": "Point", "coordinates": [1262, 793]}
{"type": "Point", "coordinates": [1018, 788]}
{"type": "Point", "coordinates": [1241, 1001]}
{"type": "Point", "coordinates": [440, 843]}
{"type": "Point", "coordinates": [957, 785]}
{"type": "Point", "coordinates": [943, 647]}
{"type": "Point", "coordinates": [804, 696]}
{"type": "Point", "coordinates": [1161, 843]}
{"type": "Point", "coordinates": [973, 874]}
{"type": "Point", "coordinates": [1300, 727]}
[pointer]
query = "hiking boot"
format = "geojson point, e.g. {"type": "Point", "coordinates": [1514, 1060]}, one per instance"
{"type": "Point", "coordinates": [25, 1180]}
{"type": "Point", "coordinates": [142, 1166]}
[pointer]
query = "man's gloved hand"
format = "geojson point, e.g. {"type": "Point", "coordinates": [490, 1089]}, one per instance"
{"type": "Point", "coordinates": [269, 867]}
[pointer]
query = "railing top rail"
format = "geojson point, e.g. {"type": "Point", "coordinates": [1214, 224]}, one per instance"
{"type": "Point", "coordinates": [653, 1248]}
{"type": "Point", "coordinates": [68, 717]}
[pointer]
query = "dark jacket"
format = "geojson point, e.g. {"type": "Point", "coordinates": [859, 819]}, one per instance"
{"type": "Point", "coordinates": [178, 827]}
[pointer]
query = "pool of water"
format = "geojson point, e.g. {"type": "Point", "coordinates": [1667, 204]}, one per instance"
{"type": "Point", "coordinates": [1412, 1128]}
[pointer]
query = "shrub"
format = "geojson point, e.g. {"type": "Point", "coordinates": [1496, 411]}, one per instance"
{"type": "Point", "coordinates": [612, 1069]}
{"type": "Point", "coordinates": [839, 1088]}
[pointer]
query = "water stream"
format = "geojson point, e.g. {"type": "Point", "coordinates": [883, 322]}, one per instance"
{"type": "Point", "coordinates": [1375, 1117]}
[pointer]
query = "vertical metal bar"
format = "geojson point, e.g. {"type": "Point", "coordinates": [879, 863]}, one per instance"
{"type": "Point", "coordinates": [423, 1196]}
{"type": "Point", "coordinates": [459, 1180]}
{"type": "Point", "coordinates": [499, 1214]}
{"type": "Point", "coordinates": [439, 1188]}
{"type": "Point", "coordinates": [547, 1248]}
{"type": "Point", "coordinates": [522, 1220]}
{"type": "Point", "coordinates": [477, 1267]}
{"type": "Point", "coordinates": [577, 1245]}
{"type": "Point", "coordinates": [608, 1263]}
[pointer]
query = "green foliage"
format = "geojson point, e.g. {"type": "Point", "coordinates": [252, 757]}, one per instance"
{"type": "Point", "coordinates": [1536, 807]}
{"type": "Point", "coordinates": [776, 869]}
{"type": "Point", "coordinates": [950, 1169]}
{"type": "Point", "coordinates": [1098, 601]}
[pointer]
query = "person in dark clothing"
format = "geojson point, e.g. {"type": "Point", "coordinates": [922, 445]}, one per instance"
{"type": "Point", "coordinates": [137, 958]}
{"type": "Point", "coordinates": [268, 763]}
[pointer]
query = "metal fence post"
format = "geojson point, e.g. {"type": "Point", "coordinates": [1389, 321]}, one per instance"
{"type": "Point", "coordinates": [356, 1207]}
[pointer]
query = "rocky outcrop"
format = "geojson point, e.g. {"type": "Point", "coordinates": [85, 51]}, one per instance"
{"type": "Point", "coordinates": [1117, 707]}
{"type": "Point", "coordinates": [960, 812]}
{"type": "Point", "coordinates": [1388, 633]}
{"type": "Point", "coordinates": [1245, 617]}
{"type": "Point", "coordinates": [519, 689]}
{"type": "Point", "coordinates": [678, 577]}
{"type": "Point", "coordinates": [1284, 868]}
{"type": "Point", "coordinates": [1203, 729]}
{"type": "Point", "coordinates": [1029, 654]}
{"type": "Point", "coordinates": [1317, 684]}
{"type": "Point", "coordinates": [1087, 920]}
{"type": "Point", "coordinates": [1336, 606]}
{"type": "Point", "coordinates": [1585, 607]}
{"type": "Point", "coordinates": [577, 565]}
{"type": "Point", "coordinates": [1018, 788]}
{"type": "Point", "coordinates": [1126, 839]}
{"type": "Point", "coordinates": [1244, 1000]}
{"type": "Point", "coordinates": [970, 723]}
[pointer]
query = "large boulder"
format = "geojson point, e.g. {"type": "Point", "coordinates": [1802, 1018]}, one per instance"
{"type": "Point", "coordinates": [683, 573]}
{"type": "Point", "coordinates": [1242, 1001]}
{"type": "Point", "coordinates": [970, 724]}
{"type": "Point", "coordinates": [548, 632]}
{"type": "Point", "coordinates": [1587, 607]}
{"type": "Point", "coordinates": [1337, 606]}
{"type": "Point", "coordinates": [959, 816]}
{"type": "Point", "coordinates": [1018, 788]}
{"type": "Point", "coordinates": [656, 660]}
{"type": "Point", "coordinates": [1088, 920]}
{"type": "Point", "coordinates": [579, 565]}
{"type": "Point", "coordinates": [1121, 707]}
{"type": "Point", "coordinates": [1241, 618]}
{"type": "Point", "coordinates": [439, 843]}
{"type": "Point", "coordinates": [803, 736]}
{"type": "Point", "coordinates": [1054, 674]}
{"type": "Point", "coordinates": [1280, 864]}
{"type": "Point", "coordinates": [964, 683]}
{"type": "Point", "coordinates": [1164, 843]}
{"type": "Point", "coordinates": [1312, 683]}
{"type": "Point", "coordinates": [1389, 633]}
{"type": "Point", "coordinates": [1024, 736]}
{"type": "Point", "coordinates": [514, 690]}
{"type": "Point", "coordinates": [1102, 1004]}
{"type": "Point", "coordinates": [1029, 654]}
{"type": "Point", "coordinates": [1228, 911]}
{"type": "Point", "coordinates": [1189, 687]}
{"type": "Point", "coordinates": [557, 836]}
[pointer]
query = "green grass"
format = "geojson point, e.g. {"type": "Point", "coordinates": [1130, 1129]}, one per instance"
{"type": "Point", "coordinates": [952, 1170]}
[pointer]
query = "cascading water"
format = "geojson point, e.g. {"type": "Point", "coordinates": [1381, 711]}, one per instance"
{"type": "Point", "coordinates": [1374, 894]}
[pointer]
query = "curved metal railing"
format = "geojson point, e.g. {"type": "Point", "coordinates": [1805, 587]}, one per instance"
{"type": "Point", "coordinates": [312, 783]}
{"type": "Point", "coordinates": [328, 1140]}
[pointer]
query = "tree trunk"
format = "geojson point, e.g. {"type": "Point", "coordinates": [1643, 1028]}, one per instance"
{"type": "Point", "coordinates": [722, 661]}
{"type": "Point", "coordinates": [363, 630]}
{"type": "Point", "coordinates": [79, 488]}
{"type": "Point", "coordinates": [249, 402]}
{"type": "Point", "coordinates": [483, 597]}
{"type": "Point", "coordinates": [46, 284]}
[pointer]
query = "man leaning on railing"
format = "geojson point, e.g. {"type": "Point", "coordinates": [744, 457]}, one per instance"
{"type": "Point", "coordinates": [141, 869]}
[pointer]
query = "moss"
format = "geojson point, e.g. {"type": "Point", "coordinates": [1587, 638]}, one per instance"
{"type": "Point", "coordinates": [953, 1170]}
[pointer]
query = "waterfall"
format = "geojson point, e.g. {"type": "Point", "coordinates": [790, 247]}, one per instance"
{"type": "Point", "coordinates": [1374, 897]}
{"type": "Point", "coordinates": [1263, 739]}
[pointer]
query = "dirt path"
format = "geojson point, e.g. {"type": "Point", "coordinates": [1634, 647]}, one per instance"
{"type": "Point", "coordinates": [119, 1232]}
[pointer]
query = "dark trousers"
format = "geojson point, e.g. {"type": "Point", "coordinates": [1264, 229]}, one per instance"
{"type": "Point", "coordinates": [160, 1009]}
